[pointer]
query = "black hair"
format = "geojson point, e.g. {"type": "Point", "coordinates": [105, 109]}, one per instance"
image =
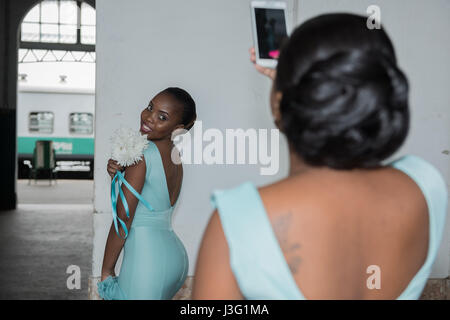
{"type": "Point", "coordinates": [189, 114]}
{"type": "Point", "coordinates": [344, 100]}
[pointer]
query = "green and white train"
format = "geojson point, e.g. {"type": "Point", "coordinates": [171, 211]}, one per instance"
{"type": "Point", "coordinates": [65, 116]}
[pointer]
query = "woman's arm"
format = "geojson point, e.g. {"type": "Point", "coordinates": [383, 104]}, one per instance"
{"type": "Point", "coordinates": [135, 176]}
{"type": "Point", "coordinates": [213, 278]}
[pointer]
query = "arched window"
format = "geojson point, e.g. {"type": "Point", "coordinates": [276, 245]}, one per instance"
{"type": "Point", "coordinates": [58, 30]}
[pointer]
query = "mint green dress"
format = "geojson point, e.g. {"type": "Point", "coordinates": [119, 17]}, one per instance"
{"type": "Point", "coordinates": [155, 262]}
{"type": "Point", "coordinates": [257, 261]}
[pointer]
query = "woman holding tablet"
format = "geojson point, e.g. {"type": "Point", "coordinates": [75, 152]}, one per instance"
{"type": "Point", "coordinates": [342, 220]}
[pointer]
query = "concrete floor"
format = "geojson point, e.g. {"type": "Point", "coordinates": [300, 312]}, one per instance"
{"type": "Point", "coordinates": [63, 192]}
{"type": "Point", "coordinates": [47, 233]}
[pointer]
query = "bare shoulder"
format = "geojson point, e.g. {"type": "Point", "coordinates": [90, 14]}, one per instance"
{"type": "Point", "coordinates": [320, 187]}
{"type": "Point", "coordinates": [409, 187]}
{"type": "Point", "coordinates": [284, 195]}
{"type": "Point", "coordinates": [138, 168]}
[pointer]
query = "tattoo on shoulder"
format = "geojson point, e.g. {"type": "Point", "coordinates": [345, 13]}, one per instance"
{"type": "Point", "coordinates": [281, 226]}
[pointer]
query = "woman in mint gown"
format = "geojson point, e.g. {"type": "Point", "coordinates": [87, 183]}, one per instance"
{"type": "Point", "coordinates": [155, 262]}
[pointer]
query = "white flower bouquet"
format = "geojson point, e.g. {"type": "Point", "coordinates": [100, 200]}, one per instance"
{"type": "Point", "coordinates": [127, 148]}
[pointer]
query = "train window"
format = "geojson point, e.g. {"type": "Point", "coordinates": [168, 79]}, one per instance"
{"type": "Point", "coordinates": [81, 123]}
{"type": "Point", "coordinates": [40, 122]}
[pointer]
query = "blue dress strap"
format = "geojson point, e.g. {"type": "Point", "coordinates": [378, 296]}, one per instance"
{"type": "Point", "coordinates": [434, 189]}
{"type": "Point", "coordinates": [120, 179]}
{"type": "Point", "coordinates": [256, 259]}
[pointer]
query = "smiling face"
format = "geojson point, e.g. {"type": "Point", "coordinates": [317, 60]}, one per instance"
{"type": "Point", "coordinates": [162, 116]}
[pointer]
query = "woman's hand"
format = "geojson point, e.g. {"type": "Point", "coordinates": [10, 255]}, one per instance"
{"type": "Point", "coordinates": [107, 273]}
{"type": "Point", "coordinates": [271, 73]}
{"type": "Point", "coordinates": [113, 167]}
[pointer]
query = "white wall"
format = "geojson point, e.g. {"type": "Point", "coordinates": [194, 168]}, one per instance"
{"type": "Point", "coordinates": [201, 45]}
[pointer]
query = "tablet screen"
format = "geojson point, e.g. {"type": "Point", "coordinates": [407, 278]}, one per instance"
{"type": "Point", "coordinates": [271, 31]}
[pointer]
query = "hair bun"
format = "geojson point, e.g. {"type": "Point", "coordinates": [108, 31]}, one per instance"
{"type": "Point", "coordinates": [348, 110]}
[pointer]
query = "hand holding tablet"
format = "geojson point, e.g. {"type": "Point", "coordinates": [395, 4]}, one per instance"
{"type": "Point", "coordinates": [269, 30]}
{"type": "Point", "coordinates": [269, 72]}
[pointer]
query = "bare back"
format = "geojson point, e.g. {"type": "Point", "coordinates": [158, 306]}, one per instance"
{"type": "Point", "coordinates": [173, 172]}
{"type": "Point", "coordinates": [332, 225]}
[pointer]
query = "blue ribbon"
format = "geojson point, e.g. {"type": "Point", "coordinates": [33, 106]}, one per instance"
{"type": "Point", "coordinates": [119, 178]}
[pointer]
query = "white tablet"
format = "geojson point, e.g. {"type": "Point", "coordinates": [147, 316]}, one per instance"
{"type": "Point", "coordinates": [270, 28]}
